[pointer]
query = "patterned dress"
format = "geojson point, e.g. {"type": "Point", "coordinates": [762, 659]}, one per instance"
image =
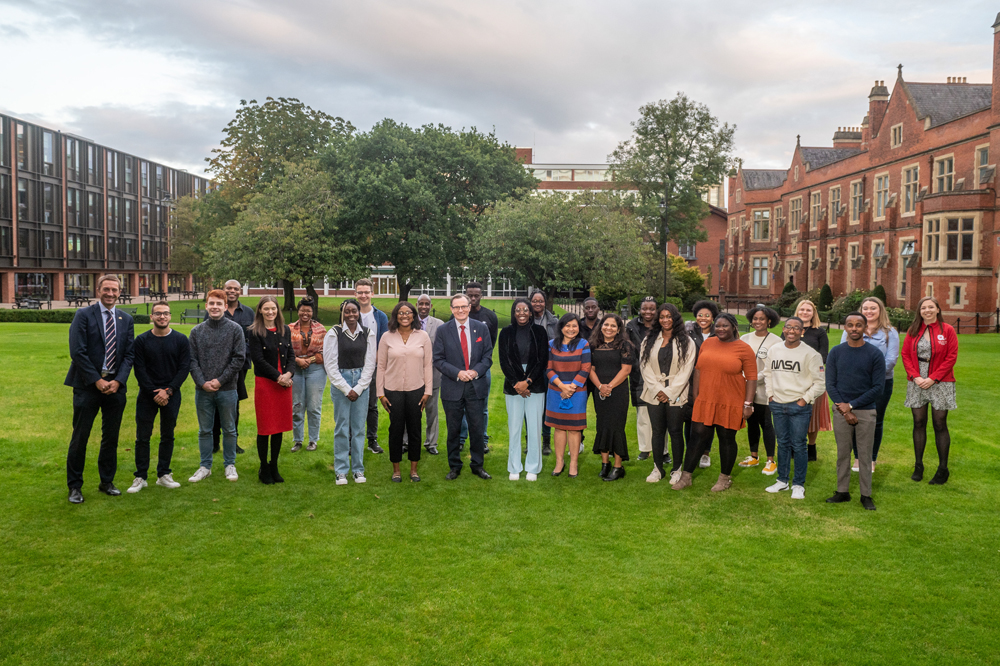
{"type": "Point", "coordinates": [570, 366]}
{"type": "Point", "coordinates": [941, 396]}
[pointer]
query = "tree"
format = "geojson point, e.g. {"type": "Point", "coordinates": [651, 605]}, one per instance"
{"type": "Point", "coordinates": [825, 301]}
{"type": "Point", "coordinates": [287, 229]}
{"type": "Point", "coordinates": [194, 222]}
{"type": "Point", "coordinates": [879, 292]}
{"type": "Point", "coordinates": [410, 195]}
{"type": "Point", "coordinates": [676, 151]}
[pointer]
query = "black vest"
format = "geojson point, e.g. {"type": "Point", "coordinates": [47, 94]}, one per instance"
{"type": "Point", "coordinates": [351, 353]}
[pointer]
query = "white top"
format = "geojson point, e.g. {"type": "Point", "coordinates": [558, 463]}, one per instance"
{"type": "Point", "coordinates": [794, 374]}
{"type": "Point", "coordinates": [760, 346]}
{"type": "Point", "coordinates": [331, 361]}
{"type": "Point", "coordinates": [368, 319]}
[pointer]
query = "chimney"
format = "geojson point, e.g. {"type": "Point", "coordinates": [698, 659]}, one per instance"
{"type": "Point", "coordinates": [878, 102]}
{"type": "Point", "coordinates": [847, 137]}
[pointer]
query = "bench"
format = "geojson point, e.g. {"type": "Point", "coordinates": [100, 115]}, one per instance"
{"type": "Point", "coordinates": [125, 298]}
{"type": "Point", "coordinates": [27, 304]}
{"type": "Point", "coordinates": [77, 301]}
{"type": "Point", "coordinates": [131, 311]}
{"type": "Point", "coordinates": [193, 313]}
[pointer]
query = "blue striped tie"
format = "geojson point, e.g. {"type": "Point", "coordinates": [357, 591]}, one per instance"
{"type": "Point", "coordinates": [109, 342]}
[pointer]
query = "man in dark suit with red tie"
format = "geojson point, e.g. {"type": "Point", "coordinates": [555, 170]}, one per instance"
{"type": "Point", "coordinates": [463, 353]}
{"type": "Point", "coordinates": [100, 348]}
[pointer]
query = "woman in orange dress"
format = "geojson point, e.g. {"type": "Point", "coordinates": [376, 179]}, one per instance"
{"type": "Point", "coordinates": [725, 381]}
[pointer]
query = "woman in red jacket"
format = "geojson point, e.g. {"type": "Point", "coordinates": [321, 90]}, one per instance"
{"type": "Point", "coordinates": [929, 354]}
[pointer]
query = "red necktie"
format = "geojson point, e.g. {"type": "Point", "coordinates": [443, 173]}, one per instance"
{"type": "Point", "coordinates": [465, 347]}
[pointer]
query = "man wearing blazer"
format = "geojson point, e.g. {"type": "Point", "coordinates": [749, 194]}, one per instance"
{"type": "Point", "coordinates": [100, 349]}
{"type": "Point", "coordinates": [463, 353]}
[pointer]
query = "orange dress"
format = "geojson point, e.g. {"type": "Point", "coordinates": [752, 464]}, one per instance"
{"type": "Point", "coordinates": [723, 369]}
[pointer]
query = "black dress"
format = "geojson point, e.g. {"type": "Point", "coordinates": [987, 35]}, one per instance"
{"type": "Point", "coordinates": [612, 412]}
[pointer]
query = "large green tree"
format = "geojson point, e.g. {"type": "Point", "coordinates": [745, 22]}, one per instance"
{"type": "Point", "coordinates": [409, 196]}
{"type": "Point", "coordinates": [194, 221]}
{"type": "Point", "coordinates": [287, 229]}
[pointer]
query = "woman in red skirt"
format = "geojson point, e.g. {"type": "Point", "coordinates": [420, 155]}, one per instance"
{"type": "Point", "coordinates": [273, 365]}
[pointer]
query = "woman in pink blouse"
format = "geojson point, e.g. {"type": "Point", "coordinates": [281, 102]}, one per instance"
{"type": "Point", "coordinates": [404, 382]}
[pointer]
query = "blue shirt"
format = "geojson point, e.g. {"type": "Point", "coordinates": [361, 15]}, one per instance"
{"type": "Point", "coordinates": [855, 375]}
{"type": "Point", "coordinates": [887, 344]}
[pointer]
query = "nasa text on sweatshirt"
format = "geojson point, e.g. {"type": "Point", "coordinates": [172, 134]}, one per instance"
{"type": "Point", "coordinates": [793, 374]}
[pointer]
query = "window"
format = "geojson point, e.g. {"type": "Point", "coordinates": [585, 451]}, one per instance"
{"type": "Point", "coordinates": [93, 211]}
{"type": "Point", "coordinates": [761, 224]}
{"type": "Point", "coordinates": [49, 153]}
{"type": "Point", "coordinates": [911, 187]}
{"type": "Point", "coordinates": [685, 250]}
{"type": "Point", "coordinates": [796, 173]}
{"type": "Point", "coordinates": [128, 173]}
{"type": "Point", "coordinates": [144, 178]}
{"type": "Point", "coordinates": [795, 214]}
{"type": "Point", "coordinates": [881, 195]}
{"type": "Point", "coordinates": [834, 205]}
{"type": "Point", "coordinates": [73, 247]}
{"type": "Point", "coordinates": [73, 207]}
{"type": "Point", "coordinates": [944, 174]}
{"type": "Point", "coordinates": [739, 195]}
{"type": "Point", "coordinates": [733, 230]}
{"type": "Point", "coordinates": [21, 148]}
{"type": "Point", "coordinates": [957, 296]}
{"type": "Point", "coordinates": [6, 242]}
{"type": "Point", "coordinates": [897, 136]}
{"type": "Point", "coordinates": [907, 248]}
{"type": "Point", "coordinates": [815, 208]}
{"type": "Point", "coordinates": [112, 160]}
{"type": "Point", "coordinates": [760, 271]}
{"type": "Point", "coordinates": [92, 176]}
{"type": "Point", "coordinates": [159, 180]}
{"type": "Point", "coordinates": [3, 141]}
{"type": "Point", "coordinates": [857, 200]}
{"type": "Point", "coordinates": [982, 162]}
{"type": "Point", "coordinates": [48, 204]}
{"type": "Point", "coordinates": [4, 197]}
{"type": "Point", "coordinates": [129, 216]}
{"type": "Point", "coordinates": [22, 199]}
{"type": "Point", "coordinates": [950, 239]}
{"type": "Point", "coordinates": [779, 216]}
{"type": "Point", "coordinates": [145, 218]}
{"type": "Point", "coordinates": [114, 217]}
{"type": "Point", "coordinates": [73, 159]}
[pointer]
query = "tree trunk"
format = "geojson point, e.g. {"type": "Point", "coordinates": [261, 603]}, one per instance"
{"type": "Point", "coordinates": [404, 288]}
{"type": "Point", "coordinates": [289, 288]}
{"type": "Point", "coordinates": [550, 299]}
{"type": "Point", "coordinates": [311, 290]}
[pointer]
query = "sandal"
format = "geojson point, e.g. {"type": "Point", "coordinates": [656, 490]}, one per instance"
{"type": "Point", "coordinates": [396, 478]}
{"type": "Point", "coordinates": [414, 477]}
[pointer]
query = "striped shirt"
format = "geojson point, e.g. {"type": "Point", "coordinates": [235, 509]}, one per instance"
{"type": "Point", "coordinates": [569, 365]}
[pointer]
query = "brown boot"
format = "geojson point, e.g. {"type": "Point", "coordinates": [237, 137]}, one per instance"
{"type": "Point", "coordinates": [683, 482]}
{"type": "Point", "coordinates": [723, 483]}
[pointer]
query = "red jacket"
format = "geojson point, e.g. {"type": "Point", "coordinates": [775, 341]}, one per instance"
{"type": "Point", "coordinates": [944, 351]}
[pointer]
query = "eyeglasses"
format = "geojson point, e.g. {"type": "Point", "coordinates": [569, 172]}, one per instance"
{"type": "Point", "coordinates": [161, 314]}
{"type": "Point", "coordinates": [460, 307]}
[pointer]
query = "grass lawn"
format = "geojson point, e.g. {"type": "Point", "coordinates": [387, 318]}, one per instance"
{"type": "Point", "coordinates": [562, 571]}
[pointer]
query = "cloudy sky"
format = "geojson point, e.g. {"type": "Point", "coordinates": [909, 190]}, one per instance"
{"type": "Point", "coordinates": [162, 79]}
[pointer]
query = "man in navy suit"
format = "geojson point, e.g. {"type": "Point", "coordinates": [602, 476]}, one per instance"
{"type": "Point", "coordinates": [100, 348]}
{"type": "Point", "coordinates": [463, 353]}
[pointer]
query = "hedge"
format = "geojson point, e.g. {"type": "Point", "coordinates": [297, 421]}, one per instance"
{"type": "Point", "coordinates": [51, 316]}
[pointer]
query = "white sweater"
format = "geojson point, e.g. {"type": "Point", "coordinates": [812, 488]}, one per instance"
{"type": "Point", "coordinates": [794, 374]}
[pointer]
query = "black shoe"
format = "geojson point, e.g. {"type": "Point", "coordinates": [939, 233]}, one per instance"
{"type": "Point", "coordinates": [264, 474]}
{"type": "Point", "coordinates": [615, 474]}
{"type": "Point", "coordinates": [546, 450]}
{"type": "Point", "coordinates": [216, 448]}
{"type": "Point", "coordinates": [812, 452]}
{"type": "Point", "coordinates": [75, 496]}
{"type": "Point", "coordinates": [109, 489]}
{"type": "Point", "coordinates": [605, 470]}
{"type": "Point", "coordinates": [839, 497]}
{"type": "Point", "coordinates": [274, 472]}
{"type": "Point", "coordinates": [452, 475]}
{"type": "Point", "coordinates": [918, 472]}
{"type": "Point", "coordinates": [867, 503]}
{"type": "Point", "coordinates": [481, 473]}
{"type": "Point", "coordinates": [374, 447]}
{"type": "Point", "coordinates": [433, 450]}
{"type": "Point", "coordinates": [239, 450]}
{"type": "Point", "coordinates": [643, 455]}
{"type": "Point", "coordinates": [940, 477]}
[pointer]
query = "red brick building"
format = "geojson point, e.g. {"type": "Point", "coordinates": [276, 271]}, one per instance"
{"type": "Point", "coordinates": [907, 200]}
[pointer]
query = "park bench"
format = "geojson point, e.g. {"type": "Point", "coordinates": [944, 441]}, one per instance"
{"type": "Point", "coordinates": [192, 313]}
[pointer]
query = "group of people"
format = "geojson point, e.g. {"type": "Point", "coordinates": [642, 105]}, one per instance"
{"type": "Point", "coordinates": [691, 383]}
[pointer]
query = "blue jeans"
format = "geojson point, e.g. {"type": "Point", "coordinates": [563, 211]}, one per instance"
{"type": "Point", "coordinates": [349, 425]}
{"type": "Point", "coordinates": [307, 398]}
{"type": "Point", "coordinates": [464, 434]}
{"type": "Point", "coordinates": [791, 429]}
{"type": "Point", "coordinates": [207, 404]}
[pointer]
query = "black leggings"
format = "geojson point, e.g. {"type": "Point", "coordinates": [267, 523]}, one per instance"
{"type": "Point", "coordinates": [759, 421]}
{"type": "Point", "coordinates": [404, 414]}
{"type": "Point", "coordinates": [942, 438]}
{"type": "Point", "coordinates": [701, 436]}
{"type": "Point", "coordinates": [262, 447]}
{"type": "Point", "coordinates": [663, 420]}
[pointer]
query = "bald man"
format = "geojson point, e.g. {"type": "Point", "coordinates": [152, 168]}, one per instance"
{"type": "Point", "coordinates": [243, 316]}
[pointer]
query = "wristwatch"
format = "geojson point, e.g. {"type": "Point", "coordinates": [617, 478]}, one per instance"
{"type": "Point", "coordinates": [748, 404]}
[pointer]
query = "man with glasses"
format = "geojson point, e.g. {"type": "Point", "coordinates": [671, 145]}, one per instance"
{"type": "Point", "coordinates": [162, 363]}
{"type": "Point", "coordinates": [374, 320]}
{"type": "Point", "coordinates": [474, 292]}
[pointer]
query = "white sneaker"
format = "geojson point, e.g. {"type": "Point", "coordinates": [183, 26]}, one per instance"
{"type": "Point", "coordinates": [581, 447]}
{"type": "Point", "coordinates": [706, 461]}
{"type": "Point", "coordinates": [798, 492]}
{"type": "Point", "coordinates": [202, 473]}
{"type": "Point", "coordinates": [359, 477]}
{"type": "Point", "coordinates": [530, 477]}
{"type": "Point", "coordinates": [675, 476]}
{"type": "Point", "coordinates": [854, 467]}
{"type": "Point", "coordinates": [341, 479]}
{"type": "Point", "coordinates": [777, 487]}
{"type": "Point", "coordinates": [167, 481]}
{"type": "Point", "coordinates": [231, 473]}
{"type": "Point", "coordinates": [137, 485]}
{"type": "Point", "coordinates": [514, 477]}
{"type": "Point", "coordinates": [654, 476]}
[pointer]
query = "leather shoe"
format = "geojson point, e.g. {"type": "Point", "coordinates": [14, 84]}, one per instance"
{"type": "Point", "coordinates": [433, 450]}
{"type": "Point", "coordinates": [546, 450]}
{"type": "Point", "coordinates": [75, 496]}
{"type": "Point", "coordinates": [867, 503]}
{"type": "Point", "coordinates": [109, 489]}
{"type": "Point", "coordinates": [643, 455]}
{"type": "Point", "coordinates": [481, 473]}
{"type": "Point", "coordinates": [839, 497]}
{"type": "Point", "coordinates": [452, 475]}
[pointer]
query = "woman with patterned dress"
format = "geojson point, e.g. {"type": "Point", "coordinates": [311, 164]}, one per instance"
{"type": "Point", "coordinates": [566, 399]}
{"type": "Point", "coordinates": [612, 358]}
{"type": "Point", "coordinates": [929, 354]}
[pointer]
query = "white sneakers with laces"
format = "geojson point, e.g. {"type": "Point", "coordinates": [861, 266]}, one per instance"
{"type": "Point", "coordinates": [231, 474]}
{"type": "Point", "coordinates": [706, 461]}
{"type": "Point", "coordinates": [514, 477]}
{"type": "Point", "coordinates": [359, 477]}
{"type": "Point", "coordinates": [530, 477]}
{"type": "Point", "coordinates": [167, 481]}
{"type": "Point", "coordinates": [341, 479]}
{"type": "Point", "coordinates": [798, 492]}
{"type": "Point", "coordinates": [777, 487]}
{"type": "Point", "coordinates": [675, 476]}
{"type": "Point", "coordinates": [654, 476]}
{"type": "Point", "coordinates": [202, 473]}
{"type": "Point", "coordinates": [137, 485]}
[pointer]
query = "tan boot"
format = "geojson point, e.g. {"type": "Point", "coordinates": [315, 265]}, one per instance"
{"type": "Point", "coordinates": [684, 481]}
{"type": "Point", "coordinates": [723, 483]}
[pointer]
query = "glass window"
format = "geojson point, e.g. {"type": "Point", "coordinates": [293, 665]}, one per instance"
{"type": "Point", "coordinates": [982, 161]}
{"type": "Point", "coordinates": [761, 224]}
{"type": "Point", "coordinates": [48, 204]}
{"type": "Point", "coordinates": [49, 153]}
{"type": "Point", "coordinates": [22, 147]}
{"type": "Point", "coordinates": [815, 208]}
{"type": "Point", "coordinates": [760, 271]}
{"type": "Point", "coordinates": [5, 193]}
{"type": "Point", "coordinates": [911, 187]}
{"type": "Point", "coordinates": [881, 194]}
{"type": "Point", "coordinates": [857, 200]}
{"type": "Point", "coordinates": [3, 141]}
{"type": "Point", "coordinates": [22, 199]}
{"type": "Point", "coordinates": [944, 171]}
{"type": "Point", "coordinates": [834, 205]}
{"type": "Point", "coordinates": [795, 214]}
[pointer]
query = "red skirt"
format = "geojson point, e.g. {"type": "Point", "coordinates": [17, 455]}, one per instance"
{"type": "Point", "coordinates": [273, 405]}
{"type": "Point", "coordinates": [820, 421]}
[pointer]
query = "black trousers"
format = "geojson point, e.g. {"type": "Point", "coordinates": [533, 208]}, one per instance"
{"type": "Point", "coordinates": [241, 393]}
{"type": "Point", "coordinates": [146, 410]}
{"type": "Point", "coordinates": [760, 422]}
{"type": "Point", "coordinates": [87, 402]}
{"type": "Point", "coordinates": [371, 424]}
{"type": "Point", "coordinates": [404, 415]}
{"type": "Point", "coordinates": [701, 435]}
{"type": "Point", "coordinates": [470, 408]}
{"type": "Point", "coordinates": [663, 420]}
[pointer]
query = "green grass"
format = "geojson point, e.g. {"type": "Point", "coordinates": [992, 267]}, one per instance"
{"type": "Point", "coordinates": [555, 572]}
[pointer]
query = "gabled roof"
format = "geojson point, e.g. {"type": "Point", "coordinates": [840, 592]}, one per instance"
{"type": "Point", "coordinates": [820, 157]}
{"type": "Point", "coordinates": [945, 102]}
{"type": "Point", "coordinates": [764, 179]}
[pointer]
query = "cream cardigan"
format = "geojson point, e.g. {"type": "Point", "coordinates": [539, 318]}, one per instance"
{"type": "Point", "coordinates": [675, 383]}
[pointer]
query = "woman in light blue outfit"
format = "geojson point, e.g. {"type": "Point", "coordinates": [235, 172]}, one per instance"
{"type": "Point", "coordinates": [349, 357]}
{"type": "Point", "coordinates": [885, 338]}
{"type": "Point", "coordinates": [524, 356]}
